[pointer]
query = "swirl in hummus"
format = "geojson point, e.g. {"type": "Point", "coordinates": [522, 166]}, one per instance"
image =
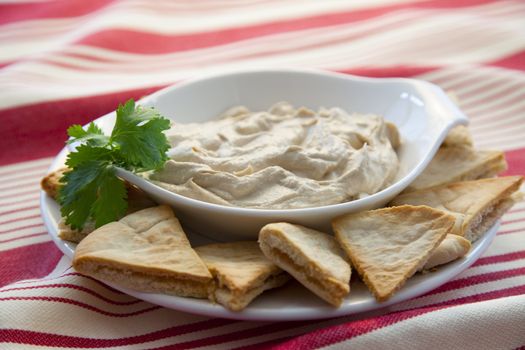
{"type": "Point", "coordinates": [285, 158]}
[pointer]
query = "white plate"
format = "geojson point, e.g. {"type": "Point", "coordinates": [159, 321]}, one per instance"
{"type": "Point", "coordinates": [291, 302]}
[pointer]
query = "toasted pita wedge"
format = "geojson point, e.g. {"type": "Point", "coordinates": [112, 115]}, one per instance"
{"type": "Point", "coordinates": [452, 248]}
{"type": "Point", "coordinates": [241, 272]}
{"type": "Point", "coordinates": [51, 182]}
{"type": "Point", "coordinates": [452, 164]}
{"type": "Point", "coordinates": [387, 246]}
{"type": "Point", "coordinates": [312, 257]}
{"type": "Point", "coordinates": [146, 251]}
{"type": "Point", "coordinates": [477, 204]}
{"type": "Point", "coordinates": [459, 136]}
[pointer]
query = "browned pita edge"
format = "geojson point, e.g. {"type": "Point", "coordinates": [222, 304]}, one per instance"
{"type": "Point", "coordinates": [414, 230]}
{"type": "Point", "coordinates": [476, 204]}
{"type": "Point", "coordinates": [146, 251]}
{"type": "Point", "coordinates": [452, 248]}
{"type": "Point", "coordinates": [453, 164]}
{"type": "Point", "coordinates": [313, 258]}
{"type": "Point", "coordinates": [241, 272]}
{"type": "Point", "coordinates": [137, 200]}
{"type": "Point", "coordinates": [51, 182]}
{"type": "Point", "coordinates": [459, 136]}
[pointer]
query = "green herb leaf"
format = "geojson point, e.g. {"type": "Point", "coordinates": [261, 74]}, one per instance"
{"type": "Point", "coordinates": [91, 188]}
{"type": "Point", "coordinates": [93, 135]}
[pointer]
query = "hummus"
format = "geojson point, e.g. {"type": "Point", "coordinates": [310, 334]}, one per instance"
{"type": "Point", "coordinates": [281, 159]}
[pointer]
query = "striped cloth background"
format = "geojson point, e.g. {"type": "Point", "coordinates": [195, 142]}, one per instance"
{"type": "Point", "coordinates": [70, 61]}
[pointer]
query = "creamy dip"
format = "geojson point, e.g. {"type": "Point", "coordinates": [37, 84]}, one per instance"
{"type": "Point", "coordinates": [281, 159]}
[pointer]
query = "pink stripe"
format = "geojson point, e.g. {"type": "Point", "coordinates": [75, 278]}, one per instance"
{"type": "Point", "coordinates": [80, 288]}
{"type": "Point", "coordinates": [22, 336]}
{"type": "Point", "coordinates": [500, 258]}
{"type": "Point", "coordinates": [21, 228]}
{"type": "Point", "coordinates": [485, 113]}
{"type": "Point", "coordinates": [18, 210]}
{"type": "Point", "coordinates": [23, 237]}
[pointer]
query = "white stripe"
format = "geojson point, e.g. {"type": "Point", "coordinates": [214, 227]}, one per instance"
{"type": "Point", "coordinates": [503, 143]}
{"type": "Point", "coordinates": [491, 324]}
{"type": "Point", "coordinates": [504, 83]}
{"type": "Point", "coordinates": [17, 206]}
{"type": "Point", "coordinates": [35, 172]}
{"type": "Point", "coordinates": [18, 215]}
{"type": "Point", "coordinates": [343, 55]}
{"type": "Point", "coordinates": [514, 215]}
{"type": "Point", "coordinates": [42, 162]}
{"type": "Point", "coordinates": [504, 122]}
{"type": "Point", "coordinates": [24, 242]}
{"type": "Point", "coordinates": [513, 226]}
{"type": "Point", "coordinates": [495, 104]}
{"type": "Point", "coordinates": [22, 232]}
{"type": "Point", "coordinates": [20, 223]}
{"type": "Point", "coordinates": [18, 184]}
{"type": "Point", "coordinates": [30, 197]}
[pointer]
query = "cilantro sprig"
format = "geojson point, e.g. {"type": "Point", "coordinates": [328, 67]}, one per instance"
{"type": "Point", "coordinates": [91, 189]}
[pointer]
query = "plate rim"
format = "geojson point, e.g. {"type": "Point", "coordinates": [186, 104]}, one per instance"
{"type": "Point", "coordinates": [206, 308]}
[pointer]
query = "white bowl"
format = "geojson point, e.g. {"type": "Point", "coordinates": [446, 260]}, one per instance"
{"type": "Point", "coordinates": [422, 112]}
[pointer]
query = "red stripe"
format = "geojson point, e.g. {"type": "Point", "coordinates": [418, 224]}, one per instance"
{"type": "Point", "coordinates": [22, 336]}
{"type": "Point", "coordinates": [82, 305]}
{"type": "Point", "coordinates": [484, 112]}
{"type": "Point", "coordinates": [46, 139]}
{"type": "Point", "coordinates": [50, 9]}
{"type": "Point", "coordinates": [23, 237]}
{"type": "Point", "coordinates": [80, 288]}
{"type": "Point", "coordinates": [149, 43]}
{"type": "Point", "coordinates": [478, 279]}
{"type": "Point", "coordinates": [34, 261]}
{"type": "Point", "coordinates": [500, 258]}
{"type": "Point", "coordinates": [516, 161]}
{"type": "Point", "coordinates": [340, 333]}
{"type": "Point", "coordinates": [515, 61]}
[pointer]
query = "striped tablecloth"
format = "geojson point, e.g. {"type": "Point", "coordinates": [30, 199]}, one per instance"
{"type": "Point", "coordinates": [70, 61]}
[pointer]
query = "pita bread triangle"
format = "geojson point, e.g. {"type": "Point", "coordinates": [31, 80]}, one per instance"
{"type": "Point", "coordinates": [387, 246]}
{"type": "Point", "coordinates": [451, 164]}
{"type": "Point", "coordinates": [241, 272]}
{"type": "Point", "coordinates": [475, 204]}
{"type": "Point", "coordinates": [313, 258]}
{"type": "Point", "coordinates": [146, 251]}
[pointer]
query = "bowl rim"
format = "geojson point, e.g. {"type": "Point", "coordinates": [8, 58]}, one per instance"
{"type": "Point", "coordinates": [365, 202]}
